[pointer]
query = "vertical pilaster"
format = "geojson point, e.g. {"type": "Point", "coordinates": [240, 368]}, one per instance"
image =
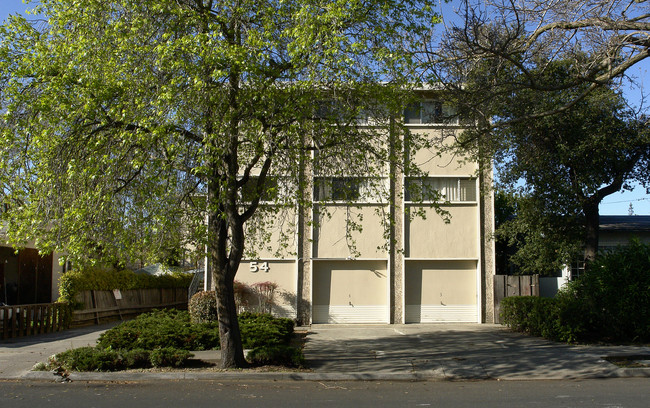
{"type": "Point", "coordinates": [304, 252]}
{"type": "Point", "coordinates": [396, 236]}
{"type": "Point", "coordinates": [487, 243]}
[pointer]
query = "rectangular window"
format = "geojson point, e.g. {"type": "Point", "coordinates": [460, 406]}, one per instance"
{"type": "Point", "coordinates": [452, 189]}
{"type": "Point", "coordinates": [430, 112]}
{"type": "Point", "coordinates": [357, 189]}
{"type": "Point", "coordinates": [577, 269]}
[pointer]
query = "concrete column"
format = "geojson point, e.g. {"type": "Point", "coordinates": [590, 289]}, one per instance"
{"type": "Point", "coordinates": [488, 265]}
{"type": "Point", "coordinates": [396, 254]}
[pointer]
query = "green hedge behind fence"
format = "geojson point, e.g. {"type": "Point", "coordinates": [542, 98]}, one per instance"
{"type": "Point", "coordinates": [74, 282]}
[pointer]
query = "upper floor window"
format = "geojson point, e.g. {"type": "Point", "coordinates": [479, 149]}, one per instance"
{"type": "Point", "coordinates": [452, 189]}
{"type": "Point", "coordinates": [357, 189]}
{"type": "Point", "coordinates": [430, 112]}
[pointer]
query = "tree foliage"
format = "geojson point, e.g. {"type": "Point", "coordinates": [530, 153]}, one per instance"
{"type": "Point", "coordinates": [126, 121]}
{"type": "Point", "coordinates": [600, 39]}
{"type": "Point", "coordinates": [560, 167]}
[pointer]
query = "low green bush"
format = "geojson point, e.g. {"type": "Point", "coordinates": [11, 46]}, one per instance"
{"type": "Point", "coordinates": [527, 314]}
{"type": "Point", "coordinates": [161, 329]}
{"type": "Point", "coordinates": [87, 359]}
{"type": "Point", "coordinates": [616, 290]}
{"type": "Point", "coordinates": [169, 357]}
{"type": "Point", "coordinates": [557, 319]}
{"type": "Point", "coordinates": [99, 359]}
{"type": "Point", "coordinates": [203, 307]}
{"type": "Point", "coordinates": [278, 354]}
{"type": "Point", "coordinates": [609, 302]}
{"type": "Point", "coordinates": [262, 329]}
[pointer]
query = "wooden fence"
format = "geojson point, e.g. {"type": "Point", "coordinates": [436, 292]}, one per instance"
{"type": "Point", "coordinates": [513, 285]}
{"type": "Point", "coordinates": [101, 306]}
{"type": "Point", "coordinates": [27, 320]}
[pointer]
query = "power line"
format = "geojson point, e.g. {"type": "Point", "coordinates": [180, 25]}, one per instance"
{"type": "Point", "coordinates": [626, 201]}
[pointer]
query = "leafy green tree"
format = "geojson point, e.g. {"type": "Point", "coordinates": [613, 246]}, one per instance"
{"type": "Point", "coordinates": [125, 121]}
{"type": "Point", "coordinates": [560, 167]}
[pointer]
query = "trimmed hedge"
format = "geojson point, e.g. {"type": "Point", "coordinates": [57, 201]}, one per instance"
{"type": "Point", "coordinates": [73, 282]}
{"type": "Point", "coordinates": [609, 302]}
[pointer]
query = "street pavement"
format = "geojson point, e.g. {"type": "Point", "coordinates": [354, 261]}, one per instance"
{"type": "Point", "coordinates": [368, 352]}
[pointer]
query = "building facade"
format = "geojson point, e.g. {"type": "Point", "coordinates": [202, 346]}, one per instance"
{"type": "Point", "coordinates": [386, 261]}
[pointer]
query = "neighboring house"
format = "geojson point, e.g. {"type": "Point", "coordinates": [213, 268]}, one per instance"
{"type": "Point", "coordinates": [619, 229]}
{"type": "Point", "coordinates": [615, 230]}
{"type": "Point", "coordinates": [425, 270]}
{"type": "Point", "coordinates": [27, 277]}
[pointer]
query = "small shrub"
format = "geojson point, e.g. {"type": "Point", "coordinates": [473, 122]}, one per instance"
{"type": "Point", "coordinates": [161, 329]}
{"type": "Point", "coordinates": [203, 307]}
{"type": "Point", "coordinates": [136, 358]}
{"type": "Point", "coordinates": [262, 329]}
{"type": "Point", "coordinates": [87, 359]}
{"type": "Point", "coordinates": [98, 359]}
{"type": "Point", "coordinates": [528, 314]}
{"type": "Point", "coordinates": [243, 292]}
{"type": "Point", "coordinates": [278, 354]}
{"type": "Point", "coordinates": [169, 357]}
{"type": "Point", "coordinates": [609, 302]}
{"type": "Point", "coordinates": [265, 295]}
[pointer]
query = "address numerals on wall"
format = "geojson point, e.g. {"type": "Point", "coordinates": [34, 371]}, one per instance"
{"type": "Point", "coordinates": [256, 266]}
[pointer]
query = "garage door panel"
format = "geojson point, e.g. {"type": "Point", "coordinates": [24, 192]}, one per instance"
{"type": "Point", "coordinates": [350, 292]}
{"type": "Point", "coordinates": [440, 291]}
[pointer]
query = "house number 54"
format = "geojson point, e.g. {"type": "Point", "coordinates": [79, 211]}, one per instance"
{"type": "Point", "coordinates": [259, 266]}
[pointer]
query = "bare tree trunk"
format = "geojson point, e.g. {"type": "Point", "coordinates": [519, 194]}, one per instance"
{"type": "Point", "coordinates": [223, 275]}
{"type": "Point", "coordinates": [232, 353]}
{"type": "Point", "coordinates": [592, 229]}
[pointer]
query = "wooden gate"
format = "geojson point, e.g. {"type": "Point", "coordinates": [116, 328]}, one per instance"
{"type": "Point", "coordinates": [513, 285]}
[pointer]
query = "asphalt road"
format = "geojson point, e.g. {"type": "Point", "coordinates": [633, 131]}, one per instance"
{"type": "Point", "coordinates": [611, 393]}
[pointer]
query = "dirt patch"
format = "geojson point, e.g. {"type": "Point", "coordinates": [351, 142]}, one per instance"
{"type": "Point", "coordinates": [633, 361]}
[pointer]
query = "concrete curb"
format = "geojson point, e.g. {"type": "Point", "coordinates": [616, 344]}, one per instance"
{"type": "Point", "coordinates": [313, 376]}
{"type": "Point", "coordinates": [274, 376]}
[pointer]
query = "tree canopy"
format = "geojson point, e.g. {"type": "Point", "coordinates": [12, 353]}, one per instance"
{"type": "Point", "coordinates": [126, 121]}
{"type": "Point", "coordinates": [600, 39]}
{"type": "Point", "coordinates": [560, 167]}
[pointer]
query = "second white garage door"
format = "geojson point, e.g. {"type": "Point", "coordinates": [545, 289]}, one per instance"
{"type": "Point", "coordinates": [441, 291]}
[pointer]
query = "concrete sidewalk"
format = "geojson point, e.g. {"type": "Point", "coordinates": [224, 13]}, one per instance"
{"type": "Point", "coordinates": [370, 352]}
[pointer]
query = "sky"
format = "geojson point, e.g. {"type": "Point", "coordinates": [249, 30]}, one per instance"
{"type": "Point", "coordinates": [615, 204]}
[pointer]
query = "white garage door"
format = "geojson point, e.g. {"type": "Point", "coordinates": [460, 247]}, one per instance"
{"type": "Point", "coordinates": [350, 292]}
{"type": "Point", "coordinates": [441, 291]}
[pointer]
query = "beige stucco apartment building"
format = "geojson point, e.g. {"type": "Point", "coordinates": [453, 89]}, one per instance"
{"type": "Point", "coordinates": [398, 268]}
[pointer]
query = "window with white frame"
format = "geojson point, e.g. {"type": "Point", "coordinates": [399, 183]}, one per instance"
{"type": "Point", "coordinates": [357, 189]}
{"type": "Point", "coordinates": [577, 269]}
{"type": "Point", "coordinates": [430, 112]}
{"type": "Point", "coordinates": [452, 189]}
